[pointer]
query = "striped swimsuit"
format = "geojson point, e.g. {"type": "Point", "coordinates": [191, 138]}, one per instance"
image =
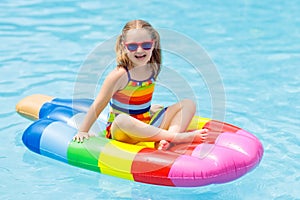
{"type": "Point", "coordinates": [134, 100]}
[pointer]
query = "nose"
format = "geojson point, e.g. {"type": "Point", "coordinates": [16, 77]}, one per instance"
{"type": "Point", "coordinates": [139, 49]}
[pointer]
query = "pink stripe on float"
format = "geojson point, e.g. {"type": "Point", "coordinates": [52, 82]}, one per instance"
{"type": "Point", "coordinates": [187, 171]}
{"type": "Point", "coordinates": [228, 159]}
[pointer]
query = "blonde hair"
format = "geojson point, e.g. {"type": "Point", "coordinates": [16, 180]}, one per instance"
{"type": "Point", "coordinates": [122, 58]}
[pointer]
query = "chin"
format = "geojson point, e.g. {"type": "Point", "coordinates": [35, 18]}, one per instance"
{"type": "Point", "coordinates": [140, 63]}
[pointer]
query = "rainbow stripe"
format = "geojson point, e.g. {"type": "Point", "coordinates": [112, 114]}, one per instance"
{"type": "Point", "coordinates": [134, 99]}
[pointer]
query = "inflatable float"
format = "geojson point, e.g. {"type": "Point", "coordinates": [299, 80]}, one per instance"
{"type": "Point", "coordinates": [230, 154]}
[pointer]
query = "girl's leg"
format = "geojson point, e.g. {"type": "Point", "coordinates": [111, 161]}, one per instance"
{"type": "Point", "coordinates": [130, 130]}
{"type": "Point", "coordinates": [176, 121]}
{"type": "Point", "coordinates": [177, 118]}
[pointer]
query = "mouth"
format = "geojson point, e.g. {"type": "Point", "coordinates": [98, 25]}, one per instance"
{"type": "Point", "coordinates": [140, 56]}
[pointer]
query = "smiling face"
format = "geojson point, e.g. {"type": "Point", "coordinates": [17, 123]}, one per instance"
{"type": "Point", "coordinates": [140, 56]}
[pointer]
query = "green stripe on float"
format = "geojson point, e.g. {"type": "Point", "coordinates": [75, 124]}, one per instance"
{"type": "Point", "coordinates": [86, 154]}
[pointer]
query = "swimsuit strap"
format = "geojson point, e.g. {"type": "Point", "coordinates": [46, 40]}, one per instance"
{"type": "Point", "coordinates": [128, 74]}
{"type": "Point", "coordinates": [131, 79]}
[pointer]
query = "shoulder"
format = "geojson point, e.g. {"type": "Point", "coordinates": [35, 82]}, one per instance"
{"type": "Point", "coordinates": [116, 74]}
{"type": "Point", "coordinates": [117, 77]}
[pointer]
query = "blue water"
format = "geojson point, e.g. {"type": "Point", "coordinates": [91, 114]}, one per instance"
{"type": "Point", "coordinates": [254, 46]}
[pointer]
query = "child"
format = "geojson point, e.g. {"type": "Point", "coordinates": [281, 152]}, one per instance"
{"type": "Point", "coordinates": [129, 89]}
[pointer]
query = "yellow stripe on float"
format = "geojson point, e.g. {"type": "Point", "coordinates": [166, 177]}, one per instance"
{"type": "Point", "coordinates": [197, 123]}
{"type": "Point", "coordinates": [116, 159]}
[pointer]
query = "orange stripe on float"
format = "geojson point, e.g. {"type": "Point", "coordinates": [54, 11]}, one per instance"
{"type": "Point", "coordinates": [30, 106]}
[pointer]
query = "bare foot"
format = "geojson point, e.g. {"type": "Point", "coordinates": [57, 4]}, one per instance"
{"type": "Point", "coordinates": [196, 136]}
{"type": "Point", "coordinates": [193, 136]}
{"type": "Point", "coordinates": [163, 145]}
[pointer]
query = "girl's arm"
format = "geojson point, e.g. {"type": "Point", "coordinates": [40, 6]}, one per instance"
{"type": "Point", "coordinates": [113, 82]}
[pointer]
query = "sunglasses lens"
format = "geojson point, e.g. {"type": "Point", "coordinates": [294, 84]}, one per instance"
{"type": "Point", "coordinates": [135, 46]}
{"type": "Point", "coordinates": [147, 45]}
{"type": "Point", "coordinates": [132, 47]}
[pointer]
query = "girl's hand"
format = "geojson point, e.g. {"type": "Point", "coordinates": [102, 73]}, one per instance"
{"type": "Point", "coordinates": [80, 136]}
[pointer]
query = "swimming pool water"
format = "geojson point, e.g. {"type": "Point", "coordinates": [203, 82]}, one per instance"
{"type": "Point", "coordinates": [254, 45]}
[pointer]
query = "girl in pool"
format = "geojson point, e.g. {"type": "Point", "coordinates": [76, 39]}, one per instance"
{"type": "Point", "coordinates": [129, 88]}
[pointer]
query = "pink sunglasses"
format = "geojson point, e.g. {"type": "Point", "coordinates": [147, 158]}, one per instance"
{"type": "Point", "coordinates": [133, 46]}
